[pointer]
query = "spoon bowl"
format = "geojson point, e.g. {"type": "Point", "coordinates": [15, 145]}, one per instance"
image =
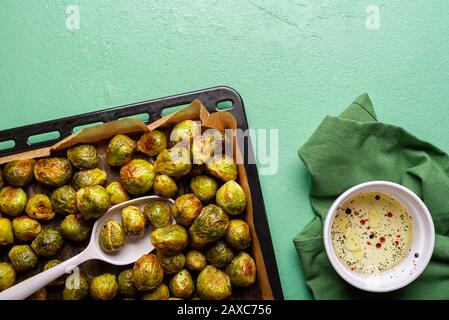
{"type": "Point", "coordinates": [134, 248]}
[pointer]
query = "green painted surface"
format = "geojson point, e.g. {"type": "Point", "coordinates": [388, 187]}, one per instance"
{"type": "Point", "coordinates": [292, 61]}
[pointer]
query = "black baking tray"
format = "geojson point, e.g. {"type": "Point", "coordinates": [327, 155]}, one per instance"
{"type": "Point", "coordinates": [210, 98]}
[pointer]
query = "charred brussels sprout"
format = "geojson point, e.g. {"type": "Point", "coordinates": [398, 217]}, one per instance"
{"type": "Point", "coordinates": [195, 260]}
{"type": "Point", "coordinates": [87, 178]}
{"type": "Point", "coordinates": [219, 254]}
{"type": "Point", "coordinates": [117, 193]}
{"type": "Point", "coordinates": [213, 284]}
{"type": "Point", "coordinates": [203, 187]}
{"type": "Point", "coordinates": [50, 264]}
{"type": "Point", "coordinates": [152, 143]}
{"type": "Point", "coordinates": [12, 201]}
{"type": "Point", "coordinates": [6, 233]}
{"type": "Point", "coordinates": [83, 156]}
{"type": "Point", "coordinates": [25, 228]}
{"type": "Point", "coordinates": [160, 293]}
{"type": "Point", "coordinates": [171, 264]}
{"type": "Point", "coordinates": [223, 168]}
{"type": "Point", "coordinates": [242, 270]}
{"type": "Point", "coordinates": [147, 273]}
{"type": "Point", "coordinates": [133, 221]}
{"type": "Point", "coordinates": [238, 234]}
{"type": "Point", "coordinates": [112, 236]}
{"type": "Point", "coordinates": [181, 285]}
{"type": "Point", "coordinates": [206, 146]}
{"type": "Point", "coordinates": [39, 207]}
{"type": "Point", "coordinates": [7, 276]}
{"type": "Point", "coordinates": [40, 294]}
{"type": "Point", "coordinates": [63, 200]}
{"type": "Point", "coordinates": [137, 176]}
{"type": "Point", "coordinates": [104, 287]}
{"type": "Point", "coordinates": [174, 162]}
{"type": "Point", "coordinates": [92, 202]}
{"type": "Point", "coordinates": [48, 243]}
{"type": "Point", "coordinates": [209, 226]}
{"type": "Point", "coordinates": [158, 213]}
{"type": "Point", "coordinates": [76, 287]}
{"type": "Point", "coordinates": [186, 208]}
{"type": "Point", "coordinates": [75, 228]}
{"type": "Point", "coordinates": [19, 173]}
{"type": "Point", "coordinates": [22, 258]}
{"type": "Point", "coordinates": [125, 285]}
{"type": "Point", "coordinates": [164, 186]}
{"type": "Point", "coordinates": [53, 172]}
{"type": "Point", "coordinates": [170, 240]}
{"type": "Point", "coordinates": [184, 132]}
{"type": "Point", "coordinates": [120, 150]}
{"type": "Point", "coordinates": [231, 198]}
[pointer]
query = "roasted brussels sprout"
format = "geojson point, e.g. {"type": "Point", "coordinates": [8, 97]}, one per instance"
{"type": "Point", "coordinates": [203, 187]}
{"type": "Point", "coordinates": [160, 293]}
{"type": "Point", "coordinates": [92, 202]}
{"type": "Point", "coordinates": [133, 221]}
{"type": "Point", "coordinates": [174, 298]}
{"type": "Point", "coordinates": [184, 132]}
{"type": "Point", "coordinates": [137, 176]}
{"type": "Point", "coordinates": [22, 258]}
{"type": "Point", "coordinates": [53, 172]}
{"type": "Point", "coordinates": [242, 270]}
{"type": "Point", "coordinates": [219, 254]}
{"type": "Point", "coordinates": [222, 167]}
{"type": "Point", "coordinates": [186, 208]}
{"type": "Point", "coordinates": [152, 143]}
{"type": "Point", "coordinates": [120, 150]}
{"type": "Point", "coordinates": [112, 236]}
{"type": "Point", "coordinates": [195, 260]}
{"type": "Point", "coordinates": [90, 177]}
{"type": "Point", "coordinates": [39, 207]}
{"type": "Point", "coordinates": [76, 287]}
{"type": "Point", "coordinates": [2, 181]}
{"type": "Point", "coordinates": [104, 287]}
{"type": "Point", "coordinates": [12, 201]}
{"type": "Point", "coordinates": [50, 264]}
{"type": "Point", "coordinates": [213, 284]}
{"type": "Point", "coordinates": [170, 240]}
{"type": "Point", "coordinates": [209, 226]}
{"type": "Point", "coordinates": [117, 193]}
{"type": "Point", "coordinates": [174, 162]}
{"type": "Point", "coordinates": [7, 276]}
{"type": "Point", "coordinates": [75, 228]}
{"type": "Point", "coordinates": [48, 242]}
{"type": "Point", "coordinates": [164, 186]}
{"type": "Point", "coordinates": [231, 198]}
{"type": "Point", "coordinates": [206, 146]}
{"type": "Point", "coordinates": [40, 294]}
{"type": "Point", "coordinates": [158, 213]}
{"type": "Point", "coordinates": [63, 200]}
{"type": "Point", "coordinates": [126, 286]}
{"type": "Point", "coordinates": [83, 156]}
{"type": "Point", "coordinates": [238, 234]}
{"type": "Point", "coordinates": [19, 173]}
{"type": "Point", "coordinates": [25, 228]}
{"type": "Point", "coordinates": [171, 264]}
{"type": "Point", "coordinates": [181, 285]}
{"type": "Point", "coordinates": [6, 233]}
{"type": "Point", "coordinates": [147, 273]}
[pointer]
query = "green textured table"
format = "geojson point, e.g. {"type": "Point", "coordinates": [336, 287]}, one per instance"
{"type": "Point", "coordinates": [292, 61]}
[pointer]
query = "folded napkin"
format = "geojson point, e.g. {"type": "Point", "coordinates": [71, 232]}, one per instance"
{"type": "Point", "coordinates": [354, 148]}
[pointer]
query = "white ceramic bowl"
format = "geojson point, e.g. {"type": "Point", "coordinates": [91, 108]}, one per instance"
{"type": "Point", "coordinates": [422, 242]}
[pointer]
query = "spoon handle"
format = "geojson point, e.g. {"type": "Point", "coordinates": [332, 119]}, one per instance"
{"type": "Point", "coordinates": [29, 286]}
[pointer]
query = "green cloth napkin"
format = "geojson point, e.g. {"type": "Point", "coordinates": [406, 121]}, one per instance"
{"type": "Point", "coordinates": [354, 148]}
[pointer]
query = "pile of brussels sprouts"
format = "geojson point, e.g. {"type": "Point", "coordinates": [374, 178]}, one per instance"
{"type": "Point", "coordinates": [200, 256]}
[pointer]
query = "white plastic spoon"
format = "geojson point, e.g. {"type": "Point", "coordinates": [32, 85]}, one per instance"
{"type": "Point", "coordinates": [134, 248]}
